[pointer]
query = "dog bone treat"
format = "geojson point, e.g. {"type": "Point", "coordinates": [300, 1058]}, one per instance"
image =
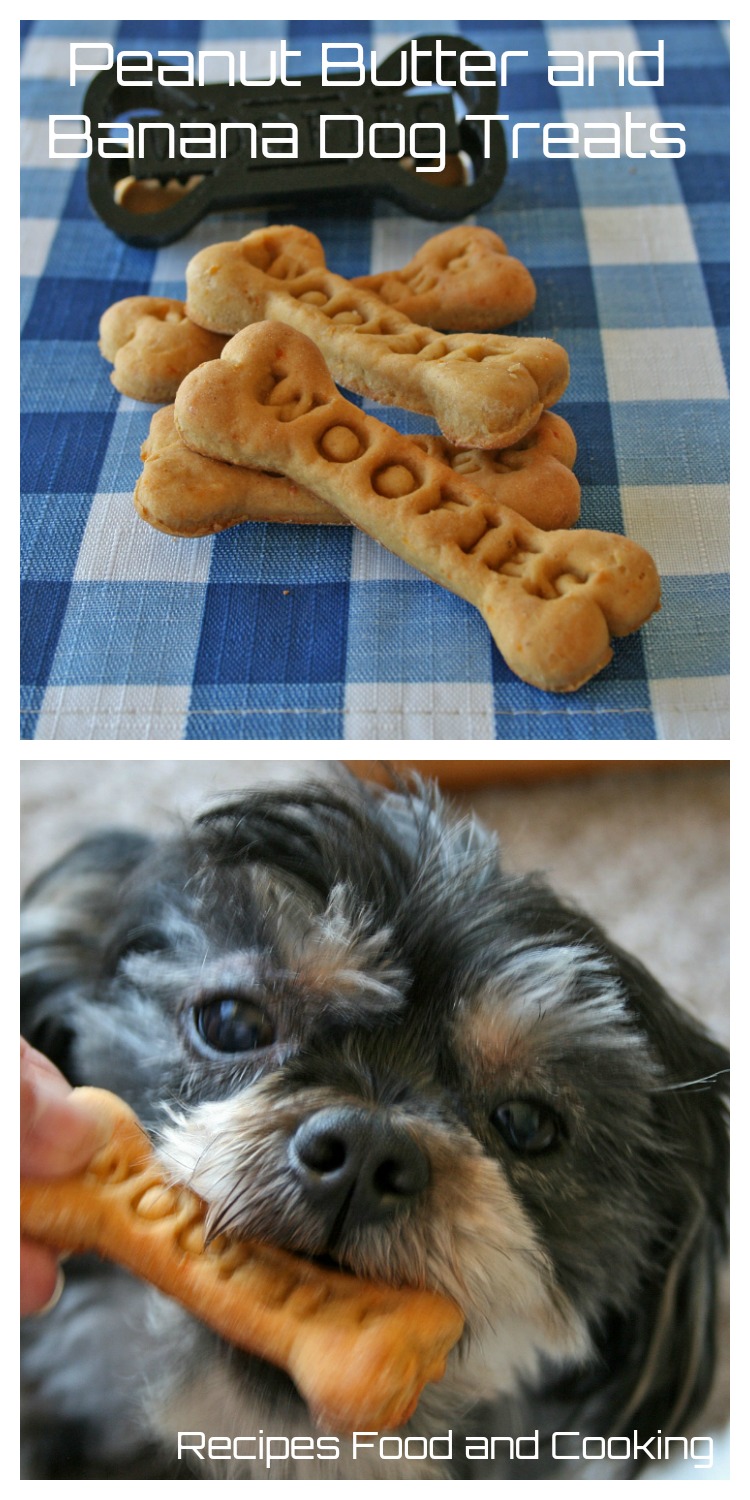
{"type": "Point", "coordinates": [149, 195]}
{"type": "Point", "coordinates": [550, 599]}
{"type": "Point", "coordinates": [359, 1353]}
{"type": "Point", "coordinates": [484, 390]}
{"type": "Point", "coordinates": [185, 494]}
{"type": "Point", "coordinates": [153, 345]}
{"type": "Point", "coordinates": [533, 476]}
{"type": "Point", "coordinates": [462, 279]}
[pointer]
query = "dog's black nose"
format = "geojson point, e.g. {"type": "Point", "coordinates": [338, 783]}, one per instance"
{"type": "Point", "coordinates": [357, 1155]}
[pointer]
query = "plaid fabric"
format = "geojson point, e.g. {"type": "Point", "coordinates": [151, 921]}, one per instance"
{"type": "Point", "coordinates": [306, 633]}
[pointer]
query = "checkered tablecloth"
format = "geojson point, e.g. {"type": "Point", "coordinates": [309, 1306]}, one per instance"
{"type": "Point", "coordinates": [311, 633]}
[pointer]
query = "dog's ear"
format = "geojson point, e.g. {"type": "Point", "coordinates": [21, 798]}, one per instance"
{"type": "Point", "coordinates": [657, 1360]}
{"type": "Point", "coordinates": [678, 1346]}
{"type": "Point", "coordinates": [65, 918]}
{"type": "Point", "coordinates": [691, 1103]}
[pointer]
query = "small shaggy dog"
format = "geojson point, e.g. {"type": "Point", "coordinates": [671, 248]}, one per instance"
{"type": "Point", "coordinates": [357, 1038]}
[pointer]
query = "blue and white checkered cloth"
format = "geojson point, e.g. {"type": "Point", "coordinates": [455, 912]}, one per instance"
{"type": "Point", "coordinates": [307, 633]}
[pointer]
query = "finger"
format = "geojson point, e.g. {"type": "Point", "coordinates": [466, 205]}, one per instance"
{"type": "Point", "coordinates": [59, 1134]}
{"type": "Point", "coordinates": [41, 1278]}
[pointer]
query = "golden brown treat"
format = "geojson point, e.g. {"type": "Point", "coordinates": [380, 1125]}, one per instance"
{"type": "Point", "coordinates": [149, 195]}
{"type": "Point", "coordinates": [185, 494]}
{"type": "Point", "coordinates": [153, 345]}
{"type": "Point", "coordinates": [453, 174]}
{"type": "Point", "coordinates": [152, 342]}
{"type": "Point", "coordinates": [360, 1354]}
{"type": "Point", "coordinates": [532, 477]}
{"type": "Point", "coordinates": [550, 599]}
{"type": "Point", "coordinates": [484, 390]}
{"type": "Point", "coordinates": [462, 279]}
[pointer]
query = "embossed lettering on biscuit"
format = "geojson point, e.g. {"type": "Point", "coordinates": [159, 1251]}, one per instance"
{"type": "Point", "coordinates": [359, 1353]}
{"type": "Point", "coordinates": [186, 494]}
{"type": "Point", "coordinates": [483, 391]}
{"type": "Point", "coordinates": [460, 279]}
{"type": "Point", "coordinates": [463, 278]}
{"type": "Point", "coordinates": [552, 635]}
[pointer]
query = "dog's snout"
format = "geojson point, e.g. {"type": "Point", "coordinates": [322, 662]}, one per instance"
{"type": "Point", "coordinates": [360, 1159]}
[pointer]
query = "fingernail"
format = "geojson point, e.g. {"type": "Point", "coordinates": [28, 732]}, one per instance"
{"type": "Point", "coordinates": [63, 1132]}
{"type": "Point", "coordinates": [56, 1295]}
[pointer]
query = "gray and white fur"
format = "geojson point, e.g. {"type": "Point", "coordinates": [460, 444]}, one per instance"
{"type": "Point", "coordinates": [357, 1038]}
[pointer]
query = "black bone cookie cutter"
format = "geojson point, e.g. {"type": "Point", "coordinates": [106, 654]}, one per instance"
{"type": "Point", "coordinates": [185, 189]}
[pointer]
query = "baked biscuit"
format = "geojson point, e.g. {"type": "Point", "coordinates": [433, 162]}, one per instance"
{"type": "Point", "coordinates": [185, 494]}
{"type": "Point", "coordinates": [149, 195]}
{"type": "Point", "coordinates": [483, 390]}
{"type": "Point", "coordinates": [359, 1353]}
{"type": "Point", "coordinates": [463, 279]}
{"type": "Point", "coordinates": [153, 345]}
{"type": "Point", "coordinates": [550, 599]}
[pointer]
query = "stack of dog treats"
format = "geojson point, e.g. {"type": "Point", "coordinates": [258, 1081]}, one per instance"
{"type": "Point", "coordinates": [258, 430]}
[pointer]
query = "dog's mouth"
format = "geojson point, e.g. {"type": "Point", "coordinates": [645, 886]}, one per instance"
{"type": "Point", "coordinates": [325, 1259]}
{"type": "Point", "coordinates": [326, 1262]}
{"type": "Point", "coordinates": [325, 1246]}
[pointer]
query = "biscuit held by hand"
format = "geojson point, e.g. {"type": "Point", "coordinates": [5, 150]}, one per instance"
{"type": "Point", "coordinates": [359, 1353]}
{"type": "Point", "coordinates": [551, 599]}
{"type": "Point", "coordinates": [185, 494]}
{"type": "Point", "coordinates": [483, 390]}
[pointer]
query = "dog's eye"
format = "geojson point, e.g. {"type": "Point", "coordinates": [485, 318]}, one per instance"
{"type": "Point", "coordinates": [233, 1025]}
{"type": "Point", "coordinates": [526, 1125]}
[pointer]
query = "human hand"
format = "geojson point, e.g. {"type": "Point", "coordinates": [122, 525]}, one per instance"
{"type": "Point", "coordinates": [59, 1135]}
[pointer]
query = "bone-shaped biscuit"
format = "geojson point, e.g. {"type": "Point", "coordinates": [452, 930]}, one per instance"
{"type": "Point", "coordinates": [185, 494]}
{"type": "Point", "coordinates": [462, 279]}
{"type": "Point", "coordinates": [149, 195]}
{"type": "Point", "coordinates": [359, 1353]}
{"type": "Point", "coordinates": [550, 599]}
{"type": "Point", "coordinates": [153, 345]}
{"type": "Point", "coordinates": [484, 390]}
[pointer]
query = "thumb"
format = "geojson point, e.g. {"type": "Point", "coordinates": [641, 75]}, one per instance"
{"type": "Point", "coordinates": [59, 1133]}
